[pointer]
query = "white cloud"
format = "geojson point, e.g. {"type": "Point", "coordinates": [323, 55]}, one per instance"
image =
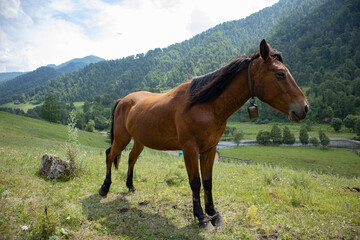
{"type": "Point", "coordinates": [39, 32]}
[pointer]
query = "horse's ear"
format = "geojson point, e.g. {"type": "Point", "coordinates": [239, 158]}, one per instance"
{"type": "Point", "coordinates": [264, 50]}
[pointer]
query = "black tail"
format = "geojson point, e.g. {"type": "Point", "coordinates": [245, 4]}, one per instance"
{"type": "Point", "coordinates": [116, 160]}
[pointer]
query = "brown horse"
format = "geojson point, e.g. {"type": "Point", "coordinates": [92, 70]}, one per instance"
{"type": "Point", "coordinates": [192, 117]}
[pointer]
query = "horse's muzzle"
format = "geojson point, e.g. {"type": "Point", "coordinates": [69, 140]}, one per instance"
{"type": "Point", "coordinates": [298, 114]}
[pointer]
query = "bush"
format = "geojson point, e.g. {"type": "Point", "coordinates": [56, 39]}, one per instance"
{"type": "Point", "coordinates": [336, 123]}
{"type": "Point", "coordinates": [314, 141]}
{"type": "Point", "coordinates": [357, 126]}
{"type": "Point", "coordinates": [288, 137]}
{"type": "Point", "coordinates": [90, 126]}
{"type": "Point", "coordinates": [304, 136]}
{"type": "Point", "coordinates": [275, 135]}
{"type": "Point", "coordinates": [349, 122]}
{"type": "Point", "coordinates": [238, 135]}
{"type": "Point", "coordinates": [324, 140]}
{"type": "Point", "coordinates": [263, 137]}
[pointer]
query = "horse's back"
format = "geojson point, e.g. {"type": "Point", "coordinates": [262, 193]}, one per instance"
{"type": "Point", "coordinates": [150, 118]}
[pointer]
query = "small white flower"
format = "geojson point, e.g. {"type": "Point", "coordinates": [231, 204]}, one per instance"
{"type": "Point", "coordinates": [68, 218]}
{"type": "Point", "coordinates": [24, 228]}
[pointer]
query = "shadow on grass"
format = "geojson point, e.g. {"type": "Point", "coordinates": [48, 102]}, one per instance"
{"type": "Point", "coordinates": [121, 218]}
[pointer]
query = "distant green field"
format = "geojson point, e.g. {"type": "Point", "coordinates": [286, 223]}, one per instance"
{"type": "Point", "coordinates": [23, 106]}
{"type": "Point", "coordinates": [336, 161]}
{"type": "Point", "coordinates": [256, 201]}
{"type": "Point", "coordinates": [26, 106]}
{"type": "Point", "coordinates": [251, 129]}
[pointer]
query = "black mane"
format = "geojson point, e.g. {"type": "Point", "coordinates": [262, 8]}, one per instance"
{"type": "Point", "coordinates": [211, 85]}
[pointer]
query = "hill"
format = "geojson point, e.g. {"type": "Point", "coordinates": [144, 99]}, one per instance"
{"type": "Point", "coordinates": [9, 75]}
{"type": "Point", "coordinates": [321, 52]}
{"type": "Point", "coordinates": [256, 201]}
{"type": "Point", "coordinates": [165, 68]}
{"type": "Point", "coordinates": [77, 63]}
{"type": "Point", "coordinates": [12, 89]}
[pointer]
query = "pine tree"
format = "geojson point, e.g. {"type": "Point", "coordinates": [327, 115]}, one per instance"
{"type": "Point", "coordinates": [288, 137]}
{"type": "Point", "coordinates": [304, 136]}
{"type": "Point", "coordinates": [275, 135]}
{"type": "Point", "coordinates": [324, 140]}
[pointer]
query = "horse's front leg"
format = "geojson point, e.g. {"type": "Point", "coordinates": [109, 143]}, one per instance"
{"type": "Point", "coordinates": [103, 191]}
{"type": "Point", "coordinates": [192, 167]}
{"type": "Point", "coordinates": [206, 163]}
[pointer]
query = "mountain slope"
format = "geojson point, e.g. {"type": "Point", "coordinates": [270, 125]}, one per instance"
{"type": "Point", "coordinates": [22, 83]}
{"type": "Point", "coordinates": [323, 53]}
{"type": "Point", "coordinates": [77, 63]}
{"type": "Point", "coordinates": [164, 68]}
{"type": "Point", "coordinates": [27, 81]}
{"type": "Point", "coordinates": [9, 75]}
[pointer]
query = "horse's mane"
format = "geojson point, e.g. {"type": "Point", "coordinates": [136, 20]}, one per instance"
{"type": "Point", "coordinates": [210, 86]}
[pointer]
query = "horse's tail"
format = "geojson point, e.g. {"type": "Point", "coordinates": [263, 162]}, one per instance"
{"type": "Point", "coordinates": [116, 160]}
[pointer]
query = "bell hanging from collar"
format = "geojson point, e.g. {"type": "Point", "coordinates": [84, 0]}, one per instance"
{"type": "Point", "coordinates": [253, 110]}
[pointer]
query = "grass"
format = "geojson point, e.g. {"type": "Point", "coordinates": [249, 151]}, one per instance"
{"type": "Point", "coordinates": [23, 106]}
{"type": "Point", "coordinates": [26, 106]}
{"type": "Point", "coordinates": [251, 129]}
{"type": "Point", "coordinates": [334, 161]}
{"type": "Point", "coordinates": [256, 201]}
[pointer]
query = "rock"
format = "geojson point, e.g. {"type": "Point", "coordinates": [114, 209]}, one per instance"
{"type": "Point", "coordinates": [53, 167]}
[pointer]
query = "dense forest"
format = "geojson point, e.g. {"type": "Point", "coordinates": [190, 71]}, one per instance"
{"type": "Point", "coordinates": [318, 39]}
{"type": "Point", "coordinates": [14, 89]}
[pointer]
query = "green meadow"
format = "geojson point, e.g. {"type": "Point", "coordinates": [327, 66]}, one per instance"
{"type": "Point", "coordinates": [250, 130]}
{"type": "Point", "coordinates": [268, 200]}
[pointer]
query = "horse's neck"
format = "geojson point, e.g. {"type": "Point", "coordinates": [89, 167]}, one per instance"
{"type": "Point", "coordinates": [234, 96]}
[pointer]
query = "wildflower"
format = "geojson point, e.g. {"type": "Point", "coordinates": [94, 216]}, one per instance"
{"type": "Point", "coordinates": [24, 228]}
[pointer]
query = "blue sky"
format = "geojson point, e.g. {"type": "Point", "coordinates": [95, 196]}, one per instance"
{"type": "Point", "coordinates": [35, 33]}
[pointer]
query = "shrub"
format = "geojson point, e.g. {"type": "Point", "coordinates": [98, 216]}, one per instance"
{"type": "Point", "coordinates": [275, 135]}
{"type": "Point", "coordinates": [263, 137]}
{"type": "Point", "coordinates": [357, 126]}
{"type": "Point", "coordinates": [349, 122]}
{"type": "Point", "coordinates": [336, 123]}
{"type": "Point", "coordinates": [314, 141]}
{"type": "Point", "coordinates": [238, 135]}
{"type": "Point", "coordinates": [90, 126]}
{"type": "Point", "coordinates": [288, 137]}
{"type": "Point", "coordinates": [324, 140]}
{"type": "Point", "coordinates": [304, 136]}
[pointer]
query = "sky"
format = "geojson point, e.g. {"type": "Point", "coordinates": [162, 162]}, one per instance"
{"type": "Point", "coordinates": [36, 33]}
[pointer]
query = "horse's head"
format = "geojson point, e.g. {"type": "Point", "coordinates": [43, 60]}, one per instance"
{"type": "Point", "coordinates": [274, 84]}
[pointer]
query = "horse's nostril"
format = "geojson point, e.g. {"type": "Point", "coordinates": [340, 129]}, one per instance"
{"type": "Point", "coordinates": [306, 108]}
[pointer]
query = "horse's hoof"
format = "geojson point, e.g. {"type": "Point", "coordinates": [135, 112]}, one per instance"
{"type": "Point", "coordinates": [207, 226]}
{"type": "Point", "coordinates": [217, 220]}
{"type": "Point", "coordinates": [132, 190]}
{"type": "Point", "coordinates": [205, 223]}
{"type": "Point", "coordinates": [102, 192]}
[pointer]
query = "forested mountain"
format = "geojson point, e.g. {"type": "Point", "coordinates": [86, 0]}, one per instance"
{"type": "Point", "coordinates": [318, 39]}
{"type": "Point", "coordinates": [9, 75]}
{"type": "Point", "coordinates": [22, 83]}
{"type": "Point", "coordinates": [27, 81]}
{"type": "Point", "coordinates": [76, 64]}
{"type": "Point", "coordinates": [322, 51]}
{"type": "Point", "coordinates": [165, 68]}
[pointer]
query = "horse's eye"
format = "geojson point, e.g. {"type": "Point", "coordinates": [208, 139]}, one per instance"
{"type": "Point", "coordinates": [280, 75]}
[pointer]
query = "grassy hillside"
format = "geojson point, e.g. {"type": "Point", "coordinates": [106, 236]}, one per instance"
{"type": "Point", "coordinates": [257, 202]}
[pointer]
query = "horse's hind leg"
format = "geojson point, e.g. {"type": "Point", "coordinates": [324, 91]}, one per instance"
{"type": "Point", "coordinates": [133, 156]}
{"type": "Point", "coordinates": [111, 154]}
